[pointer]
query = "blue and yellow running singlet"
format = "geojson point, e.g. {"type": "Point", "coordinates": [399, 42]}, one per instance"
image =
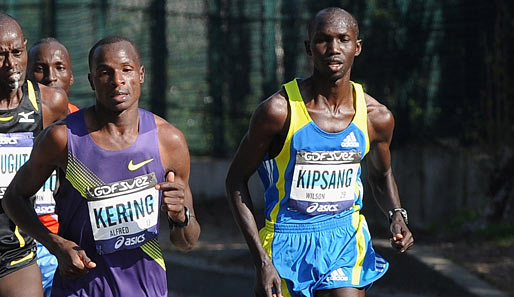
{"type": "Point", "coordinates": [314, 232]}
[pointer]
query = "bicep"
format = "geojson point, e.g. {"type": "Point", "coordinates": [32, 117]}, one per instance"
{"type": "Point", "coordinates": [380, 127]}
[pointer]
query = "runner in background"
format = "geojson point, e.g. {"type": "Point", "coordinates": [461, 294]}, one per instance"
{"type": "Point", "coordinates": [25, 109]}
{"type": "Point", "coordinates": [49, 63]}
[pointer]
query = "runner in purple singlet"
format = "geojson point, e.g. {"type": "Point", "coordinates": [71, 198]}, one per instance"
{"type": "Point", "coordinates": [122, 164]}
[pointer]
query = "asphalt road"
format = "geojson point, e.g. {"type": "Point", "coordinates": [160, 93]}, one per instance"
{"type": "Point", "coordinates": [223, 273]}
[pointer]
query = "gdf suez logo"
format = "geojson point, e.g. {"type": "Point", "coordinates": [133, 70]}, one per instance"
{"type": "Point", "coordinates": [129, 241]}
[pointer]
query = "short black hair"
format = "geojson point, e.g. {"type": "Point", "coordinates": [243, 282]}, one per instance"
{"type": "Point", "coordinates": [110, 40]}
{"type": "Point", "coordinates": [332, 11]}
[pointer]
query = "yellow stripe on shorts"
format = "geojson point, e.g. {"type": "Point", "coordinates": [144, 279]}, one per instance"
{"type": "Point", "coordinates": [26, 258]}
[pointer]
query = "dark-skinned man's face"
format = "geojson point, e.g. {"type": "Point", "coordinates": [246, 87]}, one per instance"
{"type": "Point", "coordinates": [13, 57]}
{"type": "Point", "coordinates": [50, 65]}
{"type": "Point", "coordinates": [116, 75]}
{"type": "Point", "coordinates": [333, 46]}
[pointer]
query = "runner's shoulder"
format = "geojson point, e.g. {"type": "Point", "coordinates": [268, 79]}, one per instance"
{"type": "Point", "coordinates": [168, 133]}
{"type": "Point", "coordinates": [272, 113]}
{"type": "Point", "coordinates": [380, 118]}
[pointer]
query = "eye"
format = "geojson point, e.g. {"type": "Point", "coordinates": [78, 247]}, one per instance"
{"type": "Point", "coordinates": [38, 69]}
{"type": "Point", "coordinates": [60, 67]}
{"type": "Point", "coordinates": [17, 52]}
{"type": "Point", "coordinates": [344, 38]}
{"type": "Point", "coordinates": [127, 69]}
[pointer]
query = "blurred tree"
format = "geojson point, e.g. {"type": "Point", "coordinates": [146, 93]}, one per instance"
{"type": "Point", "coordinates": [498, 112]}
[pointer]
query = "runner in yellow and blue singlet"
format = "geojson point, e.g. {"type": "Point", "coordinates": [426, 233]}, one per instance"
{"type": "Point", "coordinates": [307, 142]}
{"type": "Point", "coordinates": [313, 191]}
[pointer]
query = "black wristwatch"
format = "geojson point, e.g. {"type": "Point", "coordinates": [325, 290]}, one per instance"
{"type": "Point", "coordinates": [172, 223]}
{"type": "Point", "coordinates": [402, 211]}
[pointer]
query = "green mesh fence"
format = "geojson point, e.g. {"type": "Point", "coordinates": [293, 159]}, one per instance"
{"type": "Point", "coordinates": [441, 66]}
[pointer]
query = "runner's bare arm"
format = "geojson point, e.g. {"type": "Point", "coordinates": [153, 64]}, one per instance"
{"type": "Point", "coordinates": [266, 123]}
{"type": "Point", "coordinates": [380, 173]}
{"type": "Point", "coordinates": [49, 152]}
{"type": "Point", "coordinates": [176, 192]}
{"type": "Point", "coordinates": [55, 104]}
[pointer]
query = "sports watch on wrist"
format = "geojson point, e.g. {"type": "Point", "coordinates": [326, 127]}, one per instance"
{"type": "Point", "coordinates": [172, 223]}
{"type": "Point", "coordinates": [402, 211]}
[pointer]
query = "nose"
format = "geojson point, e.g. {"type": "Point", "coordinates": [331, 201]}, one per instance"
{"type": "Point", "coordinates": [9, 61]}
{"type": "Point", "coordinates": [51, 77]}
{"type": "Point", "coordinates": [333, 47]}
{"type": "Point", "coordinates": [118, 78]}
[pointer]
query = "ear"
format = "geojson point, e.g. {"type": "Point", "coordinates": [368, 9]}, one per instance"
{"type": "Point", "coordinates": [91, 81]}
{"type": "Point", "coordinates": [307, 44]}
{"type": "Point", "coordinates": [72, 80]}
{"type": "Point", "coordinates": [358, 47]}
{"type": "Point", "coordinates": [25, 43]}
{"type": "Point", "coordinates": [142, 74]}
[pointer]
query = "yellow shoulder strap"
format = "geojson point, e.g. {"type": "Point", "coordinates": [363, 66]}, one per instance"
{"type": "Point", "coordinates": [32, 95]}
{"type": "Point", "coordinates": [361, 112]}
{"type": "Point", "coordinates": [299, 114]}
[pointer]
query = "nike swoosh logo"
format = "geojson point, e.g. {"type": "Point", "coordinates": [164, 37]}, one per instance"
{"type": "Point", "coordinates": [6, 119]}
{"type": "Point", "coordinates": [134, 167]}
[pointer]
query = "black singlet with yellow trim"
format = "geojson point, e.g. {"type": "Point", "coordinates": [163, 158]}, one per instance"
{"type": "Point", "coordinates": [17, 249]}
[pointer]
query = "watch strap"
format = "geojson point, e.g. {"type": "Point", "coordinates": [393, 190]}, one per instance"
{"type": "Point", "coordinates": [402, 211]}
{"type": "Point", "coordinates": [183, 224]}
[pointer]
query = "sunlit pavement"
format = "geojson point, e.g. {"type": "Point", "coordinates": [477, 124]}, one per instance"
{"type": "Point", "coordinates": [226, 271]}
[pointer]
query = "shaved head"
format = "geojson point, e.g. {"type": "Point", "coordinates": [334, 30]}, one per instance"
{"type": "Point", "coordinates": [332, 15]}
{"type": "Point", "coordinates": [50, 64]}
{"type": "Point", "coordinates": [8, 22]}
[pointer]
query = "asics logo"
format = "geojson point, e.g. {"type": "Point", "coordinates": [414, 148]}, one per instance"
{"type": "Point", "coordinates": [134, 167]}
{"type": "Point", "coordinates": [129, 241]}
{"type": "Point", "coordinates": [322, 208]}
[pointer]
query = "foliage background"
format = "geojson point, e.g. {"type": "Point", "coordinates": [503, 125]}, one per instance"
{"type": "Point", "coordinates": [445, 68]}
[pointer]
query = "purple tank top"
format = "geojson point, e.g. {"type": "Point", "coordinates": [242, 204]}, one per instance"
{"type": "Point", "coordinates": [108, 206]}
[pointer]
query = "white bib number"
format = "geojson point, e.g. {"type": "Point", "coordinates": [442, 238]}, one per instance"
{"type": "Point", "coordinates": [124, 214]}
{"type": "Point", "coordinates": [324, 182]}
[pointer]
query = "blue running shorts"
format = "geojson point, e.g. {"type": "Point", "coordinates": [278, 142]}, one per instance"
{"type": "Point", "coordinates": [47, 264]}
{"type": "Point", "coordinates": [331, 254]}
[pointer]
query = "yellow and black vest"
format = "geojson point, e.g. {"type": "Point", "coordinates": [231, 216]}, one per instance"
{"type": "Point", "coordinates": [27, 116]}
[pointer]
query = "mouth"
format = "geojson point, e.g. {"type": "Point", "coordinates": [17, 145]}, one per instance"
{"type": "Point", "coordinates": [14, 79]}
{"type": "Point", "coordinates": [119, 96]}
{"type": "Point", "coordinates": [334, 65]}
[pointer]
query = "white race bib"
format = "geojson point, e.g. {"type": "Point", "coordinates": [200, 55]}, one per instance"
{"type": "Point", "coordinates": [15, 149]}
{"type": "Point", "coordinates": [324, 181]}
{"type": "Point", "coordinates": [124, 214]}
{"type": "Point", "coordinates": [45, 203]}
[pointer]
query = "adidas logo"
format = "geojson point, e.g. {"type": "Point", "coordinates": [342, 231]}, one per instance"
{"type": "Point", "coordinates": [337, 275]}
{"type": "Point", "coordinates": [380, 264]}
{"type": "Point", "coordinates": [350, 141]}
